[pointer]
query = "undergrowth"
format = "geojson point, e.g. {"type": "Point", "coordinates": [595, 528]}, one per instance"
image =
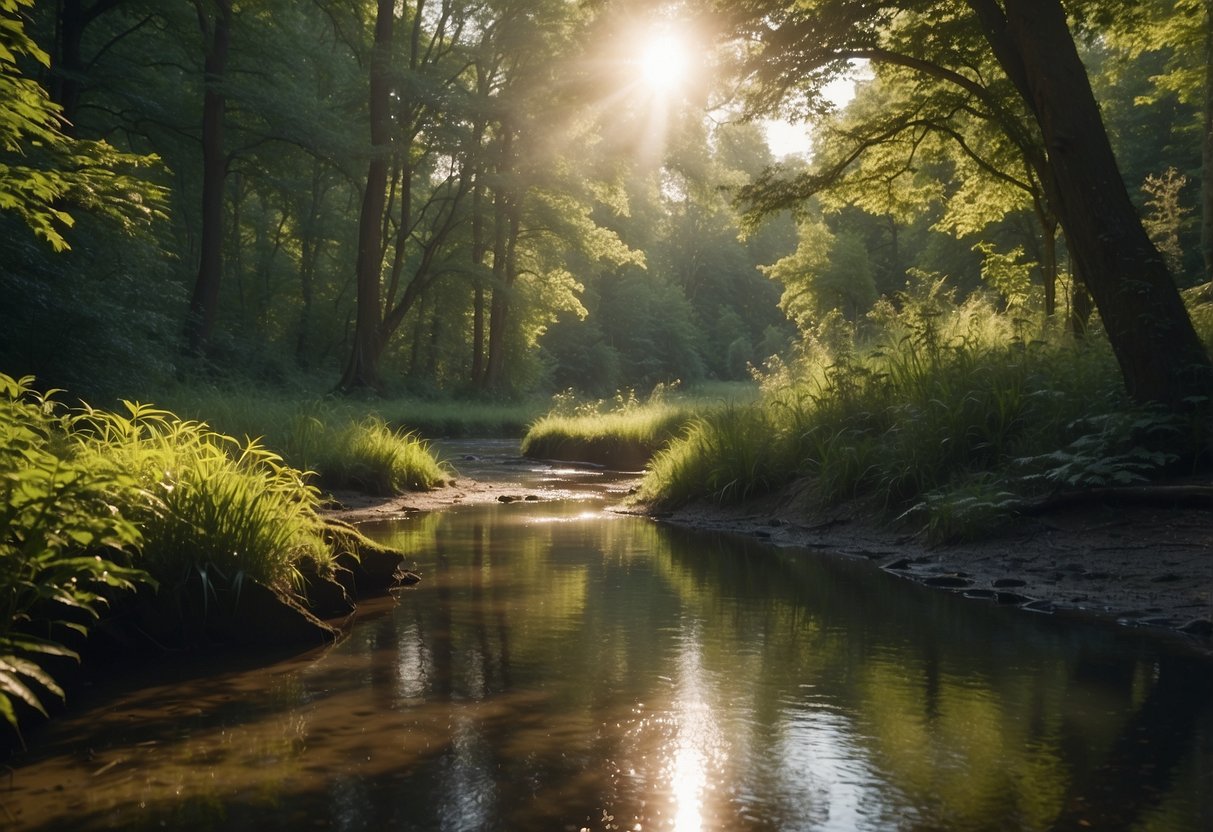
{"type": "Point", "coordinates": [94, 503]}
{"type": "Point", "coordinates": [345, 444]}
{"type": "Point", "coordinates": [623, 432]}
{"type": "Point", "coordinates": [951, 419]}
{"type": "Point", "coordinates": [209, 505]}
{"type": "Point", "coordinates": [63, 545]}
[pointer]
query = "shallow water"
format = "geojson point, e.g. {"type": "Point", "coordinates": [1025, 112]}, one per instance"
{"type": "Point", "coordinates": [560, 667]}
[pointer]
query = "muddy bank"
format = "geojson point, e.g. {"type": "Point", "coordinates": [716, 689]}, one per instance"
{"type": "Point", "coordinates": [1138, 565]}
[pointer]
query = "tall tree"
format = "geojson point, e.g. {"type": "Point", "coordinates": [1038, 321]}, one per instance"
{"type": "Point", "coordinates": [215, 22]}
{"type": "Point", "coordinates": [417, 178]}
{"type": "Point", "coordinates": [804, 44]}
{"type": "Point", "coordinates": [1160, 356]}
{"type": "Point", "coordinates": [362, 370]}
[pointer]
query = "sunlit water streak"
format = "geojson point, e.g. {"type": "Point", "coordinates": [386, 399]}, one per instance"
{"type": "Point", "coordinates": [557, 669]}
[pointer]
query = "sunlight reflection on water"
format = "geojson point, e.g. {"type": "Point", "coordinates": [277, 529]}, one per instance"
{"type": "Point", "coordinates": [558, 669]}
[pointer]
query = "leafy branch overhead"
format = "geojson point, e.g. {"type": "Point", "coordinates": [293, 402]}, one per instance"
{"type": "Point", "coordinates": [44, 174]}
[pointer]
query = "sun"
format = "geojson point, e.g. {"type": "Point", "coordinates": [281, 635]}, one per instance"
{"type": "Point", "coordinates": [665, 62]}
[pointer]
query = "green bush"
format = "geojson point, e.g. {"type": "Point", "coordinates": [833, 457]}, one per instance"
{"type": "Point", "coordinates": [623, 432]}
{"type": "Point", "coordinates": [346, 444]}
{"type": "Point", "coordinates": [63, 542]}
{"type": "Point", "coordinates": [370, 456]}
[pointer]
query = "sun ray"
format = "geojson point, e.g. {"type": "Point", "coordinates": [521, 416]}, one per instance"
{"type": "Point", "coordinates": [664, 63]}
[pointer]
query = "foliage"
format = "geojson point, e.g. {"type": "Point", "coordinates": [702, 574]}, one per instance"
{"type": "Point", "coordinates": [368, 455]}
{"type": "Point", "coordinates": [950, 413]}
{"type": "Point", "coordinates": [370, 445]}
{"type": "Point", "coordinates": [213, 504]}
{"type": "Point", "coordinates": [1165, 217]}
{"type": "Point", "coordinates": [623, 432]}
{"type": "Point", "coordinates": [64, 542]}
{"type": "Point", "coordinates": [44, 172]}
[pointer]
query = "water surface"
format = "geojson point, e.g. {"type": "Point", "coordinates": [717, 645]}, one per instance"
{"type": "Point", "coordinates": [560, 667]}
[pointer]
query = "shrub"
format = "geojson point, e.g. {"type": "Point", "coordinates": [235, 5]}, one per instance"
{"type": "Point", "coordinates": [63, 543]}
{"type": "Point", "coordinates": [370, 456]}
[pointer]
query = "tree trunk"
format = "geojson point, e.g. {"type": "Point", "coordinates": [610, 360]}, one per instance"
{"type": "Point", "coordinates": [1048, 255]}
{"type": "Point", "coordinates": [1206, 158]}
{"type": "Point", "coordinates": [1081, 305]}
{"type": "Point", "coordinates": [309, 254]}
{"type": "Point", "coordinates": [510, 224]}
{"type": "Point", "coordinates": [480, 249]}
{"type": "Point", "coordinates": [506, 222]}
{"type": "Point", "coordinates": [499, 305]}
{"type": "Point", "coordinates": [1160, 356]}
{"type": "Point", "coordinates": [68, 64]}
{"type": "Point", "coordinates": [362, 368]}
{"type": "Point", "coordinates": [204, 304]}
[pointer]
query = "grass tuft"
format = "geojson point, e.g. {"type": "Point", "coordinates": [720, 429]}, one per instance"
{"type": "Point", "coordinates": [209, 503]}
{"type": "Point", "coordinates": [623, 433]}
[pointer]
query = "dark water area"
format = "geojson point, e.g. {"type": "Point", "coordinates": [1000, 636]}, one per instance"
{"type": "Point", "coordinates": [561, 667]}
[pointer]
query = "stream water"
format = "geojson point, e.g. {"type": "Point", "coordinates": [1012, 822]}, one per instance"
{"type": "Point", "coordinates": [561, 667]}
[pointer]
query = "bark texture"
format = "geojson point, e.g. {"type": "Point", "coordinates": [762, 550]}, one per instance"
{"type": "Point", "coordinates": [1160, 356]}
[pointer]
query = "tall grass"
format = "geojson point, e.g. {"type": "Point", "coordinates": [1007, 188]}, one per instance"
{"type": "Point", "coordinates": [346, 444]}
{"type": "Point", "coordinates": [250, 412]}
{"type": "Point", "coordinates": [62, 544]}
{"type": "Point", "coordinates": [370, 456]}
{"type": "Point", "coordinates": [951, 418]}
{"type": "Point", "coordinates": [94, 502]}
{"type": "Point", "coordinates": [622, 433]}
{"type": "Point", "coordinates": [210, 505]}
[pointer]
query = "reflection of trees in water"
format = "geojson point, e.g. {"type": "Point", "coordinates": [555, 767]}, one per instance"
{"type": "Point", "coordinates": [970, 713]}
{"type": "Point", "coordinates": [838, 692]}
{"type": "Point", "coordinates": [546, 672]}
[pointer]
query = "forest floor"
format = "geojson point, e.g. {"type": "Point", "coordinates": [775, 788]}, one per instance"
{"type": "Point", "coordinates": [1140, 565]}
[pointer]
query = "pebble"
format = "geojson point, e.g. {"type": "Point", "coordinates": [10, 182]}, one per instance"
{"type": "Point", "coordinates": [1008, 583]}
{"type": "Point", "coordinates": [948, 581]}
{"type": "Point", "coordinates": [1201, 627]}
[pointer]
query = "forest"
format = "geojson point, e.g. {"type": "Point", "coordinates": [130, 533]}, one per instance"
{"type": "Point", "coordinates": [980, 274]}
{"type": "Point", "coordinates": [454, 199]}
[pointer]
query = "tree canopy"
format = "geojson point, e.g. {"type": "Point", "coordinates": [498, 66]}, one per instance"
{"type": "Point", "coordinates": [508, 197]}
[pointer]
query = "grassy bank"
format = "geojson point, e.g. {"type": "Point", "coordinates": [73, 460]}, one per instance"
{"type": "Point", "coordinates": [379, 447]}
{"type": "Point", "coordinates": [625, 432]}
{"type": "Point", "coordinates": [96, 504]}
{"type": "Point", "coordinates": [950, 421]}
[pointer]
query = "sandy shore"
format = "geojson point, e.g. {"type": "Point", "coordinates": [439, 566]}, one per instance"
{"type": "Point", "coordinates": [1142, 566]}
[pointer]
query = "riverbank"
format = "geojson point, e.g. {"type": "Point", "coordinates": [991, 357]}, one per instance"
{"type": "Point", "coordinates": [1139, 565]}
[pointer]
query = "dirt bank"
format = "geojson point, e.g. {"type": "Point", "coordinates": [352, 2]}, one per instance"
{"type": "Point", "coordinates": [1141, 565]}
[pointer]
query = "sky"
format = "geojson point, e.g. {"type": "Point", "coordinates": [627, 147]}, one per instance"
{"type": "Point", "coordinates": [786, 138]}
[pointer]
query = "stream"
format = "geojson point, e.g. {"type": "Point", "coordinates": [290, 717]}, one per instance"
{"type": "Point", "coordinates": [564, 667]}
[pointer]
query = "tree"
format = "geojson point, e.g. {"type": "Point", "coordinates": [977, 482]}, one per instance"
{"type": "Point", "coordinates": [362, 369]}
{"type": "Point", "coordinates": [46, 174]}
{"type": "Point", "coordinates": [1161, 358]}
{"type": "Point", "coordinates": [1174, 39]}
{"type": "Point", "coordinates": [216, 26]}
{"type": "Point", "coordinates": [418, 175]}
